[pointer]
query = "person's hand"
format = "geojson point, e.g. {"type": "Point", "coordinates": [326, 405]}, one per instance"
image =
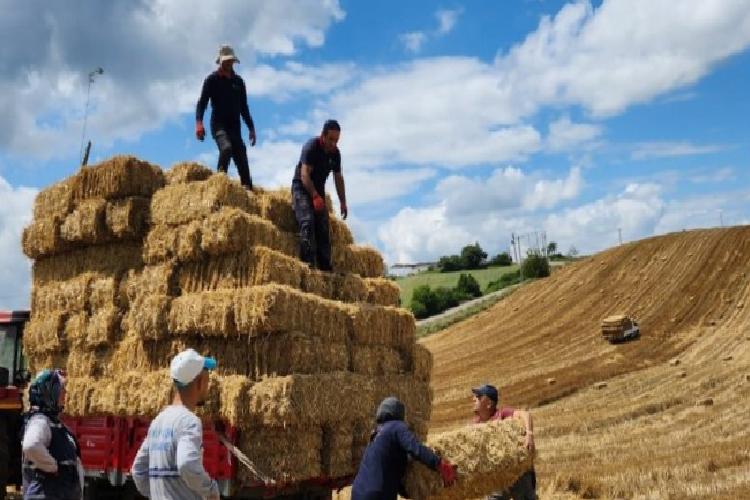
{"type": "Point", "coordinates": [529, 442]}
{"type": "Point", "coordinates": [344, 210]}
{"type": "Point", "coordinates": [200, 132]}
{"type": "Point", "coordinates": [319, 204]}
{"type": "Point", "coordinates": [448, 472]}
{"type": "Point", "coordinates": [252, 137]}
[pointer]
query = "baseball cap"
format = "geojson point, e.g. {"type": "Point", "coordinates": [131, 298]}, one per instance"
{"type": "Point", "coordinates": [486, 390]}
{"type": "Point", "coordinates": [189, 364]}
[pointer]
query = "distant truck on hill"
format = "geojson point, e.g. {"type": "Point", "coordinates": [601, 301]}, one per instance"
{"type": "Point", "coordinates": [619, 328]}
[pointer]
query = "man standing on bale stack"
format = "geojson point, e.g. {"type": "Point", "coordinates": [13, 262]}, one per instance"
{"type": "Point", "coordinates": [320, 156]}
{"type": "Point", "coordinates": [486, 409]}
{"type": "Point", "coordinates": [226, 91]}
{"type": "Point", "coordinates": [169, 463]}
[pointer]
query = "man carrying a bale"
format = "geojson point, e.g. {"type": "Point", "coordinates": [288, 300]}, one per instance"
{"type": "Point", "coordinates": [226, 91]}
{"type": "Point", "coordinates": [486, 409]}
{"type": "Point", "coordinates": [383, 465]}
{"type": "Point", "coordinates": [320, 156]}
{"type": "Point", "coordinates": [169, 463]}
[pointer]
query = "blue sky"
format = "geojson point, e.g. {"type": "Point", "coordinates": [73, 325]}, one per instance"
{"type": "Point", "coordinates": [462, 121]}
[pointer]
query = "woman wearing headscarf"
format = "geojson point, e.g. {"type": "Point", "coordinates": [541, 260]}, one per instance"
{"type": "Point", "coordinates": [51, 457]}
{"type": "Point", "coordinates": [381, 472]}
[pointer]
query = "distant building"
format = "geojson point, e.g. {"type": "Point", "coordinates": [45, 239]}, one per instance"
{"type": "Point", "coordinates": [409, 269]}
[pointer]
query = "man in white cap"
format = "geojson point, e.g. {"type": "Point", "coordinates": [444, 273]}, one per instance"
{"type": "Point", "coordinates": [169, 463]}
{"type": "Point", "coordinates": [226, 91]}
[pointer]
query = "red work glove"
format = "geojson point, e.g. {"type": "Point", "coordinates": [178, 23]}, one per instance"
{"type": "Point", "coordinates": [200, 132]}
{"type": "Point", "coordinates": [319, 204]}
{"type": "Point", "coordinates": [447, 471]}
{"type": "Point", "coordinates": [344, 210]}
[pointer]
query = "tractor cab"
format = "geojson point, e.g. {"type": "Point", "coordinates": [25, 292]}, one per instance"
{"type": "Point", "coordinates": [13, 378]}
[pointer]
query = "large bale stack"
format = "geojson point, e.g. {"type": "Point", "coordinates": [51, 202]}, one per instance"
{"type": "Point", "coordinates": [489, 458]}
{"type": "Point", "coordinates": [191, 259]}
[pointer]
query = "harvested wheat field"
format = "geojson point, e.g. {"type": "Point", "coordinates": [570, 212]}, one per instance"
{"type": "Point", "coordinates": [133, 264]}
{"type": "Point", "coordinates": [662, 416]}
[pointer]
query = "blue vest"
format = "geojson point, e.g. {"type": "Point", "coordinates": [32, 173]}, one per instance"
{"type": "Point", "coordinates": [65, 485]}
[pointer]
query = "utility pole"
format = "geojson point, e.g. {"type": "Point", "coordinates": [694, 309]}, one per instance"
{"type": "Point", "coordinates": [85, 158]}
{"type": "Point", "coordinates": [721, 218]}
{"type": "Point", "coordinates": [619, 234]}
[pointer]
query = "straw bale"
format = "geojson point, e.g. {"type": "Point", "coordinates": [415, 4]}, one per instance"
{"type": "Point", "coordinates": [109, 260]}
{"type": "Point", "coordinates": [422, 363]}
{"type": "Point", "coordinates": [87, 363]}
{"type": "Point", "coordinates": [42, 238]}
{"type": "Point", "coordinates": [159, 279]}
{"type": "Point", "coordinates": [276, 207]}
{"type": "Point", "coordinates": [379, 325]}
{"type": "Point", "coordinates": [362, 260]}
{"type": "Point", "coordinates": [128, 218]}
{"type": "Point", "coordinates": [334, 286]}
{"type": "Point", "coordinates": [206, 313]}
{"type": "Point", "coordinates": [296, 353]}
{"type": "Point", "coordinates": [187, 171]}
{"type": "Point", "coordinates": [75, 330]}
{"type": "Point", "coordinates": [103, 293]}
{"type": "Point", "coordinates": [382, 291]}
{"type": "Point", "coordinates": [138, 393]}
{"type": "Point", "coordinates": [80, 391]}
{"type": "Point", "coordinates": [336, 453]}
{"type": "Point", "coordinates": [254, 266]}
{"type": "Point", "coordinates": [40, 361]}
{"type": "Point", "coordinates": [361, 432]}
{"type": "Point", "coordinates": [277, 308]}
{"type": "Point", "coordinates": [308, 400]}
{"type": "Point", "coordinates": [148, 316]}
{"type": "Point", "coordinates": [118, 177]}
{"type": "Point", "coordinates": [182, 243]}
{"type": "Point", "coordinates": [227, 398]}
{"type": "Point", "coordinates": [181, 203]}
{"type": "Point", "coordinates": [231, 230]}
{"type": "Point", "coordinates": [87, 223]}
{"type": "Point", "coordinates": [44, 333]}
{"type": "Point", "coordinates": [489, 457]}
{"type": "Point", "coordinates": [70, 295]}
{"type": "Point", "coordinates": [103, 327]}
{"type": "Point", "coordinates": [285, 454]}
{"type": "Point", "coordinates": [55, 201]}
{"type": "Point", "coordinates": [340, 234]}
{"type": "Point", "coordinates": [376, 360]}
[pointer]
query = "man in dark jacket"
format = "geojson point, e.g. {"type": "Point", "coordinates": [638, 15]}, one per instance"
{"type": "Point", "coordinates": [383, 465]}
{"type": "Point", "coordinates": [320, 156]}
{"type": "Point", "coordinates": [226, 91]}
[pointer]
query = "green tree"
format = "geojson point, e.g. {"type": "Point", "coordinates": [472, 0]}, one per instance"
{"type": "Point", "coordinates": [535, 266]}
{"type": "Point", "coordinates": [501, 259]}
{"type": "Point", "coordinates": [468, 285]}
{"type": "Point", "coordinates": [473, 257]}
{"type": "Point", "coordinates": [551, 248]}
{"type": "Point", "coordinates": [449, 263]}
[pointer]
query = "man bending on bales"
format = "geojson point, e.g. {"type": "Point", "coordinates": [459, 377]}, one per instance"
{"type": "Point", "coordinates": [320, 156]}
{"type": "Point", "coordinates": [169, 463]}
{"type": "Point", "coordinates": [226, 91]}
{"type": "Point", "coordinates": [487, 408]}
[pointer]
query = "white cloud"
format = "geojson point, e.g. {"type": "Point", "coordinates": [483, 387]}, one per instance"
{"type": "Point", "coordinates": [364, 186]}
{"type": "Point", "coordinates": [447, 19]}
{"type": "Point", "coordinates": [413, 41]}
{"type": "Point", "coordinates": [649, 150]}
{"type": "Point", "coordinates": [15, 214]}
{"type": "Point", "coordinates": [294, 79]}
{"type": "Point", "coordinates": [565, 135]}
{"type": "Point", "coordinates": [714, 176]}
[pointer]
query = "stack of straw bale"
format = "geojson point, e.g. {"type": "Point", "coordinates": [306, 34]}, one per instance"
{"type": "Point", "coordinates": [132, 265]}
{"type": "Point", "coordinates": [489, 458]}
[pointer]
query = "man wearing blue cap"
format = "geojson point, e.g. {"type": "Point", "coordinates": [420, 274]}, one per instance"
{"type": "Point", "coordinates": [169, 463]}
{"type": "Point", "coordinates": [487, 408]}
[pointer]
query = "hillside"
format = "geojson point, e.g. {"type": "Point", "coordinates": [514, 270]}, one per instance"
{"type": "Point", "coordinates": [672, 419]}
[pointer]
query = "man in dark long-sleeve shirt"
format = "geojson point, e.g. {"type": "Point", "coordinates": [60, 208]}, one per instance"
{"type": "Point", "coordinates": [383, 465]}
{"type": "Point", "coordinates": [226, 91]}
